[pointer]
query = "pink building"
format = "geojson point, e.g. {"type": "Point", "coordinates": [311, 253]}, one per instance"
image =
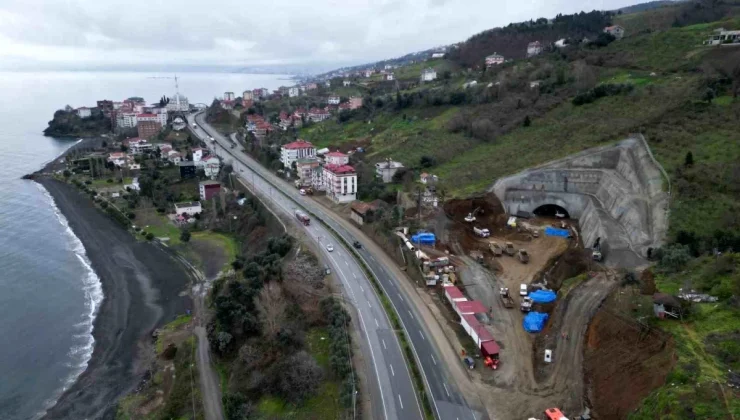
{"type": "Point", "coordinates": [340, 182]}
{"type": "Point", "coordinates": [355, 102]}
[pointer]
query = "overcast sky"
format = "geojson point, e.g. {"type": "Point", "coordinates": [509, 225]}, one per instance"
{"type": "Point", "coordinates": [104, 33]}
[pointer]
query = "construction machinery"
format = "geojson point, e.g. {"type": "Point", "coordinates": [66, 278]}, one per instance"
{"type": "Point", "coordinates": [506, 299]}
{"type": "Point", "coordinates": [510, 250]}
{"type": "Point", "coordinates": [482, 232]}
{"type": "Point", "coordinates": [523, 256]}
{"type": "Point", "coordinates": [526, 304]}
{"type": "Point", "coordinates": [596, 250]}
{"type": "Point", "coordinates": [470, 218]}
{"type": "Point", "coordinates": [496, 249]}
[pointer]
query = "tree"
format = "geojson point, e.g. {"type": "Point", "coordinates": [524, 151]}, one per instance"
{"type": "Point", "coordinates": [427, 161]}
{"type": "Point", "coordinates": [300, 377]}
{"type": "Point", "coordinates": [149, 236]}
{"type": "Point", "coordinates": [689, 160]}
{"type": "Point", "coordinates": [527, 122]}
{"type": "Point", "coordinates": [185, 235]}
{"type": "Point", "coordinates": [271, 306]}
{"type": "Point", "coordinates": [67, 173]}
{"type": "Point", "coordinates": [673, 257]}
{"type": "Point", "coordinates": [708, 95]}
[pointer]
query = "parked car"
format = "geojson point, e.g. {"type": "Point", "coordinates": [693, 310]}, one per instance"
{"type": "Point", "coordinates": [330, 247]}
{"type": "Point", "coordinates": [470, 362]}
{"type": "Point", "coordinates": [302, 191]}
{"type": "Point", "coordinates": [523, 289]}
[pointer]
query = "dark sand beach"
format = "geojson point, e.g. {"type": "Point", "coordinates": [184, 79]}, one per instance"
{"type": "Point", "coordinates": [144, 288]}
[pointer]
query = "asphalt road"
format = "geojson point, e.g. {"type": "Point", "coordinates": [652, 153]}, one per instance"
{"type": "Point", "coordinates": [393, 396]}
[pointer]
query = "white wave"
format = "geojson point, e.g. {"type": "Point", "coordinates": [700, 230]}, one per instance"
{"type": "Point", "coordinates": [93, 290]}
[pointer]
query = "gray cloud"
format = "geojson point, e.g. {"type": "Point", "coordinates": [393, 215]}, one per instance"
{"type": "Point", "coordinates": [225, 32]}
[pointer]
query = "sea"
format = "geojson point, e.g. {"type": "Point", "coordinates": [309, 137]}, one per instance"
{"type": "Point", "coordinates": [49, 294]}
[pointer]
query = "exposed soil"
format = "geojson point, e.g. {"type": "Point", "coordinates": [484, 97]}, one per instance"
{"type": "Point", "coordinates": [623, 362]}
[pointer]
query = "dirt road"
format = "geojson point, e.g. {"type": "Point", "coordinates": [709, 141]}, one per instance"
{"type": "Point", "coordinates": [209, 386]}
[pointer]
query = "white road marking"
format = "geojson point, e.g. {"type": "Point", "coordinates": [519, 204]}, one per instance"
{"type": "Point", "coordinates": [422, 336]}
{"type": "Point", "coordinates": [345, 261]}
{"type": "Point", "coordinates": [392, 372]}
{"type": "Point", "coordinates": [354, 275]}
{"type": "Point", "coordinates": [400, 297]}
{"type": "Point", "coordinates": [363, 290]}
{"type": "Point", "coordinates": [412, 315]}
{"type": "Point", "coordinates": [445, 385]}
{"type": "Point", "coordinates": [433, 361]}
{"type": "Point", "coordinates": [376, 323]}
{"type": "Point", "coordinates": [400, 401]}
{"type": "Point", "coordinates": [384, 344]}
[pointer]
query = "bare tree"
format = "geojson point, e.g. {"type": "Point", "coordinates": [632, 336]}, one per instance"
{"type": "Point", "coordinates": [271, 306]}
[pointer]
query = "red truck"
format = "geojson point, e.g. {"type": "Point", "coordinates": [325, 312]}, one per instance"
{"type": "Point", "coordinates": [302, 217]}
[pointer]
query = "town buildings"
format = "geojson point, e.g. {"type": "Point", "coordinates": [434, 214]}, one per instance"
{"type": "Point", "coordinates": [126, 120]}
{"type": "Point", "coordinates": [722, 36]}
{"type": "Point", "coordinates": [208, 189]}
{"type": "Point", "coordinates": [84, 112]}
{"type": "Point", "coordinates": [340, 183]}
{"type": "Point", "coordinates": [137, 146]}
{"type": "Point", "coordinates": [306, 169]}
{"type": "Point", "coordinates": [534, 48]}
{"type": "Point", "coordinates": [387, 169]}
{"type": "Point", "coordinates": [616, 30]}
{"type": "Point", "coordinates": [363, 213]}
{"type": "Point", "coordinates": [211, 166]}
{"type": "Point", "coordinates": [333, 100]}
{"type": "Point", "coordinates": [188, 208]}
{"type": "Point", "coordinates": [160, 117]}
{"type": "Point", "coordinates": [247, 95]}
{"type": "Point", "coordinates": [318, 114]}
{"type": "Point", "coordinates": [355, 102]}
{"type": "Point", "coordinates": [336, 158]}
{"type": "Point", "coordinates": [147, 129]}
{"type": "Point", "coordinates": [229, 96]}
{"type": "Point", "coordinates": [299, 149]}
{"type": "Point", "coordinates": [494, 60]}
{"type": "Point", "coordinates": [428, 75]}
{"type": "Point", "coordinates": [294, 92]}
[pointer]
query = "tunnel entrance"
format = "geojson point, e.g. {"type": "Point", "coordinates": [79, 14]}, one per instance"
{"type": "Point", "coordinates": [551, 210]}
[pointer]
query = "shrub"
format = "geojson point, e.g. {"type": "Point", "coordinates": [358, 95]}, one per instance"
{"type": "Point", "coordinates": [185, 236]}
{"type": "Point", "coordinates": [673, 257]}
{"type": "Point", "coordinates": [149, 236]}
{"type": "Point", "coordinates": [300, 377]}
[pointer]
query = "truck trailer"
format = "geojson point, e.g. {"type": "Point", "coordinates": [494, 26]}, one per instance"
{"type": "Point", "coordinates": [302, 217]}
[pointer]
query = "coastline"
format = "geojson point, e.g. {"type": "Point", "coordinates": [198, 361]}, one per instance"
{"type": "Point", "coordinates": [143, 287]}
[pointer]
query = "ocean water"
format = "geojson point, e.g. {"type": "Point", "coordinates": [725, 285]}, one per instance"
{"type": "Point", "coordinates": [49, 294]}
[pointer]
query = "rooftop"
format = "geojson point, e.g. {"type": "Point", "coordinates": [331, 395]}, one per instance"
{"type": "Point", "coordinates": [481, 331]}
{"type": "Point", "coordinates": [209, 182]}
{"type": "Point", "coordinates": [471, 306]}
{"type": "Point", "coordinates": [187, 204]}
{"type": "Point", "coordinates": [339, 169]}
{"type": "Point", "coordinates": [336, 154]}
{"type": "Point", "coordinates": [454, 292]}
{"type": "Point", "coordinates": [299, 144]}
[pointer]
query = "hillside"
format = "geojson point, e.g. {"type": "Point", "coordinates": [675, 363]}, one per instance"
{"type": "Point", "coordinates": [69, 124]}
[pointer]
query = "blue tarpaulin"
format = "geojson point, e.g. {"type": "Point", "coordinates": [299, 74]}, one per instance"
{"type": "Point", "coordinates": [543, 296]}
{"type": "Point", "coordinates": [535, 321]}
{"type": "Point", "coordinates": [551, 231]}
{"type": "Point", "coordinates": [424, 238]}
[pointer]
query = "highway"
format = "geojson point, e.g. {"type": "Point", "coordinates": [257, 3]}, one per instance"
{"type": "Point", "coordinates": [392, 394]}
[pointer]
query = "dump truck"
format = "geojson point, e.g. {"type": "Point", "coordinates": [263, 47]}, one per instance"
{"type": "Point", "coordinates": [302, 217]}
{"type": "Point", "coordinates": [523, 256]}
{"type": "Point", "coordinates": [496, 249]}
{"type": "Point", "coordinates": [510, 250]}
{"type": "Point", "coordinates": [506, 299]}
{"type": "Point", "coordinates": [482, 232]}
{"type": "Point", "coordinates": [596, 250]}
{"type": "Point", "coordinates": [526, 304]}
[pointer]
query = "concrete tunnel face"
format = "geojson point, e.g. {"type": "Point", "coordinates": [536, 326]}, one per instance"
{"type": "Point", "coordinates": [551, 210]}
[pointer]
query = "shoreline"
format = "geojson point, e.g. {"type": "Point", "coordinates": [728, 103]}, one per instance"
{"type": "Point", "coordinates": [143, 287]}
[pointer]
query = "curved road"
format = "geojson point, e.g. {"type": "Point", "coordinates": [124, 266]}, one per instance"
{"type": "Point", "coordinates": [393, 397]}
{"type": "Point", "coordinates": [448, 401]}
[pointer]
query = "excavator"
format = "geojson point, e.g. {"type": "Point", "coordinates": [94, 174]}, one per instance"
{"type": "Point", "coordinates": [470, 218]}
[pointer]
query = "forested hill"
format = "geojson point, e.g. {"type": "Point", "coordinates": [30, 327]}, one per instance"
{"type": "Point", "coordinates": [511, 41]}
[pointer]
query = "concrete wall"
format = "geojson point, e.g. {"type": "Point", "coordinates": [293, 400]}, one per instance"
{"type": "Point", "coordinates": [616, 192]}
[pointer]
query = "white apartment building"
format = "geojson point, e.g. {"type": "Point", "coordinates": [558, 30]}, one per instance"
{"type": "Point", "coordinates": [161, 118]}
{"type": "Point", "coordinates": [294, 91]}
{"type": "Point", "coordinates": [340, 182]}
{"type": "Point", "coordinates": [126, 120]}
{"type": "Point", "coordinates": [333, 100]}
{"type": "Point", "coordinates": [299, 149]}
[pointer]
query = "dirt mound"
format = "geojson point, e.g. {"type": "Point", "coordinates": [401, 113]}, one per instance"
{"type": "Point", "coordinates": [490, 211]}
{"type": "Point", "coordinates": [623, 362]}
{"type": "Point", "coordinates": [571, 263]}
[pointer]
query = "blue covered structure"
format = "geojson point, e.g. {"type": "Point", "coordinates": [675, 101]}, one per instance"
{"type": "Point", "coordinates": [543, 296]}
{"type": "Point", "coordinates": [424, 238]}
{"type": "Point", "coordinates": [551, 231]}
{"type": "Point", "coordinates": [535, 321]}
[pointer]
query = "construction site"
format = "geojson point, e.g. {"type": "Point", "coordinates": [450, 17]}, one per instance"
{"type": "Point", "coordinates": [523, 280]}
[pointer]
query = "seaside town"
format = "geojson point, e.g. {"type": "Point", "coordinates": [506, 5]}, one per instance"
{"type": "Point", "coordinates": [478, 212]}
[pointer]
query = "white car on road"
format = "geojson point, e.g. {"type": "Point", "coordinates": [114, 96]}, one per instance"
{"type": "Point", "coordinates": [523, 291]}
{"type": "Point", "coordinates": [330, 247]}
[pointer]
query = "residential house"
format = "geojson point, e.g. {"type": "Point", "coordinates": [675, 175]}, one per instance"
{"type": "Point", "coordinates": [368, 73]}
{"type": "Point", "coordinates": [187, 169]}
{"type": "Point", "coordinates": [264, 92]}
{"type": "Point", "coordinates": [126, 120]}
{"type": "Point", "coordinates": [355, 102]}
{"type": "Point", "coordinates": [229, 96]}
{"type": "Point", "coordinates": [363, 213]}
{"type": "Point", "coordinates": [534, 84]}
{"type": "Point", "coordinates": [336, 158]}
{"type": "Point", "coordinates": [346, 83]}
{"type": "Point", "coordinates": [118, 159]}
{"type": "Point", "coordinates": [426, 178]}
{"type": "Point", "coordinates": [299, 149]}
{"type": "Point", "coordinates": [285, 120]}
{"type": "Point", "coordinates": [534, 48]}
{"type": "Point", "coordinates": [211, 166]}
{"type": "Point", "coordinates": [340, 182]}
{"type": "Point", "coordinates": [616, 31]}
{"type": "Point", "coordinates": [299, 113]}
{"type": "Point", "coordinates": [333, 100]}
{"type": "Point", "coordinates": [438, 55]}
{"type": "Point", "coordinates": [305, 168]}
{"type": "Point", "coordinates": [327, 83]}
{"type": "Point", "coordinates": [188, 208]}
{"type": "Point", "coordinates": [318, 114]}
{"type": "Point", "coordinates": [105, 105]}
{"type": "Point", "coordinates": [386, 169]}
{"type": "Point", "coordinates": [344, 106]}
{"type": "Point", "coordinates": [428, 75]}
{"type": "Point", "coordinates": [294, 91]}
{"type": "Point", "coordinates": [389, 76]}
{"type": "Point", "coordinates": [138, 146]}
{"type": "Point", "coordinates": [247, 95]}
{"type": "Point", "coordinates": [227, 105]}
{"type": "Point", "coordinates": [312, 86]}
{"type": "Point", "coordinates": [722, 36]}
{"type": "Point", "coordinates": [175, 157]}
{"type": "Point", "coordinates": [198, 153]}
{"type": "Point", "coordinates": [494, 60]}
{"type": "Point", "coordinates": [84, 112]}
{"type": "Point", "coordinates": [208, 189]}
{"type": "Point", "coordinates": [561, 43]}
{"type": "Point", "coordinates": [161, 118]}
{"type": "Point", "coordinates": [148, 129]}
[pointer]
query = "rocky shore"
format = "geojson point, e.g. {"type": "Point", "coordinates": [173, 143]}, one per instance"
{"type": "Point", "coordinates": [144, 287]}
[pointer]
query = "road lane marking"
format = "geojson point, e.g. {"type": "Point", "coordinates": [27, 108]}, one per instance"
{"type": "Point", "coordinates": [354, 275]}
{"type": "Point", "coordinates": [384, 344]}
{"type": "Point", "coordinates": [345, 261]}
{"type": "Point", "coordinates": [412, 315]}
{"type": "Point", "coordinates": [400, 297]}
{"type": "Point", "coordinates": [375, 365]}
{"type": "Point", "coordinates": [400, 401]}
{"type": "Point", "coordinates": [448, 392]}
{"type": "Point", "coordinates": [363, 290]}
{"type": "Point", "coordinates": [392, 372]}
{"type": "Point", "coordinates": [376, 323]}
{"type": "Point", "coordinates": [422, 335]}
{"type": "Point", "coordinates": [433, 361]}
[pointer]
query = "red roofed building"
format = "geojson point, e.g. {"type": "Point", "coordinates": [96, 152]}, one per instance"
{"type": "Point", "coordinates": [476, 330]}
{"type": "Point", "coordinates": [469, 307]}
{"type": "Point", "coordinates": [337, 158]}
{"type": "Point", "coordinates": [340, 182]}
{"type": "Point", "coordinates": [453, 294]}
{"type": "Point", "coordinates": [299, 149]}
{"type": "Point", "coordinates": [318, 115]}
